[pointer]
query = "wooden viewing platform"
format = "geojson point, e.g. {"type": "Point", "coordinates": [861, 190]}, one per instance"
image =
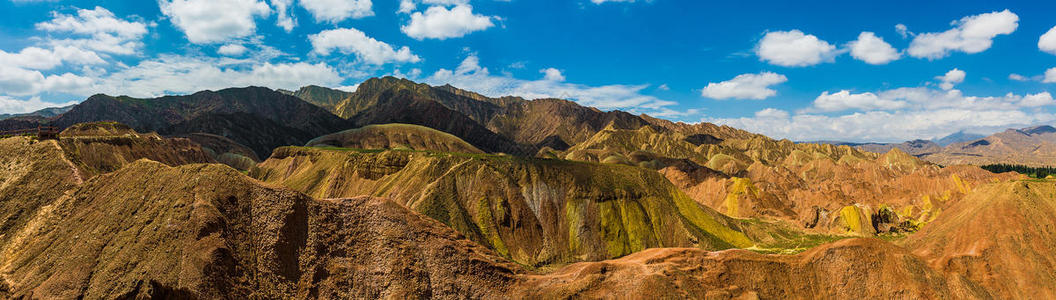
{"type": "Point", "coordinates": [41, 132]}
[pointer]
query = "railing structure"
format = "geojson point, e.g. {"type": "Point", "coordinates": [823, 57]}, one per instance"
{"type": "Point", "coordinates": [41, 132]}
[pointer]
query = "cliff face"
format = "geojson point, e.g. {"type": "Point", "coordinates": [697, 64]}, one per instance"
{"type": "Point", "coordinates": [536, 212]}
{"type": "Point", "coordinates": [206, 231]}
{"type": "Point", "coordinates": [103, 147]}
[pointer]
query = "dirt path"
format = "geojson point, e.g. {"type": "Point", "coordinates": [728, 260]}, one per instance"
{"type": "Point", "coordinates": [76, 171]}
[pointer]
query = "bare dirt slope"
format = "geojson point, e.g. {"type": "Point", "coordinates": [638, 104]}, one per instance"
{"type": "Point", "coordinates": [1001, 236]}
{"type": "Point", "coordinates": [206, 231]}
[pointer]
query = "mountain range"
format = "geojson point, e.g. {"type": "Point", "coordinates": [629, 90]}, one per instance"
{"type": "Point", "coordinates": [405, 190]}
{"type": "Point", "coordinates": [1031, 146]}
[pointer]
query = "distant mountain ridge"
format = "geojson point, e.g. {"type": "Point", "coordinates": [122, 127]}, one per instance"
{"type": "Point", "coordinates": [49, 112]}
{"type": "Point", "coordinates": [1032, 146]}
{"type": "Point", "coordinates": [259, 118]}
{"type": "Point", "coordinates": [521, 126]}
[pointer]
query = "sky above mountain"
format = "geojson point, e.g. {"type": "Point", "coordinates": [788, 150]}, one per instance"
{"type": "Point", "coordinates": [832, 70]}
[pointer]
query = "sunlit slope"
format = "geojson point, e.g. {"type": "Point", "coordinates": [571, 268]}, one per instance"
{"type": "Point", "coordinates": [395, 136]}
{"type": "Point", "coordinates": [534, 211]}
{"type": "Point", "coordinates": [209, 232]}
{"type": "Point", "coordinates": [1002, 236]}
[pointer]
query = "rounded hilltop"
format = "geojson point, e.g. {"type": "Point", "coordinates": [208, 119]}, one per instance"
{"type": "Point", "coordinates": [395, 136]}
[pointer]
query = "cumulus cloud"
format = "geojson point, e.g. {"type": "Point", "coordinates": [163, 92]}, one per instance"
{"type": "Point", "coordinates": [1047, 42]}
{"type": "Point", "coordinates": [408, 6]}
{"type": "Point", "coordinates": [16, 81]}
{"type": "Point", "coordinates": [471, 76]}
{"type": "Point", "coordinates": [745, 86]}
{"type": "Point", "coordinates": [552, 74]}
{"type": "Point", "coordinates": [883, 126]}
{"type": "Point", "coordinates": [951, 78]}
{"type": "Point", "coordinates": [95, 29]}
{"type": "Point", "coordinates": [44, 59]}
{"type": "Point", "coordinates": [335, 11]}
{"type": "Point", "coordinates": [873, 49]}
{"type": "Point", "coordinates": [1035, 100]}
{"type": "Point", "coordinates": [844, 100]}
{"type": "Point", "coordinates": [1017, 77]}
{"type": "Point", "coordinates": [794, 49]}
{"type": "Point", "coordinates": [971, 34]}
{"type": "Point", "coordinates": [171, 74]}
{"type": "Point", "coordinates": [439, 22]}
{"type": "Point", "coordinates": [367, 49]}
{"type": "Point", "coordinates": [903, 30]}
{"type": "Point", "coordinates": [212, 21]}
{"type": "Point", "coordinates": [1050, 76]}
{"type": "Point", "coordinates": [898, 114]}
{"type": "Point", "coordinates": [232, 50]}
{"type": "Point", "coordinates": [284, 14]}
{"type": "Point", "coordinates": [10, 105]}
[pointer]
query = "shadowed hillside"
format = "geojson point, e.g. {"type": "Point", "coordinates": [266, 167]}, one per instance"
{"type": "Point", "coordinates": [259, 118]}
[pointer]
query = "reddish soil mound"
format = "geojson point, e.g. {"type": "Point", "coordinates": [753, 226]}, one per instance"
{"type": "Point", "coordinates": [1001, 236]}
{"type": "Point", "coordinates": [848, 269]}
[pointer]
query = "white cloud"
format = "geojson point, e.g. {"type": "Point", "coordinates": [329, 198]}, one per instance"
{"type": "Point", "coordinates": [872, 49]}
{"type": "Point", "coordinates": [897, 115]}
{"type": "Point", "coordinates": [408, 6]}
{"type": "Point", "coordinates": [471, 76]}
{"type": "Point", "coordinates": [745, 86]}
{"type": "Point", "coordinates": [21, 82]}
{"type": "Point", "coordinates": [972, 34]}
{"type": "Point", "coordinates": [284, 14]}
{"type": "Point", "coordinates": [1050, 76]}
{"type": "Point", "coordinates": [1047, 42]}
{"type": "Point", "coordinates": [611, 1]}
{"type": "Point", "coordinates": [44, 59]}
{"type": "Point", "coordinates": [10, 105]}
{"type": "Point", "coordinates": [441, 23]}
{"type": "Point", "coordinates": [1040, 99]}
{"type": "Point", "coordinates": [903, 30]}
{"type": "Point", "coordinates": [952, 78]}
{"type": "Point", "coordinates": [552, 74]}
{"type": "Point", "coordinates": [883, 126]}
{"type": "Point", "coordinates": [794, 49]}
{"type": "Point", "coordinates": [170, 74]}
{"type": "Point", "coordinates": [335, 11]}
{"type": "Point", "coordinates": [106, 33]}
{"type": "Point", "coordinates": [93, 21]}
{"type": "Point", "coordinates": [1017, 77]}
{"type": "Point", "coordinates": [212, 21]}
{"type": "Point", "coordinates": [367, 49]}
{"type": "Point", "coordinates": [232, 50]}
{"type": "Point", "coordinates": [844, 100]}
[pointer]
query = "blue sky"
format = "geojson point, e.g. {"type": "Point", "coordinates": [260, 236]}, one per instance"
{"type": "Point", "coordinates": [828, 70]}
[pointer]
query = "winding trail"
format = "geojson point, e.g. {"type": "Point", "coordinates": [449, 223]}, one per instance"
{"type": "Point", "coordinates": [62, 155]}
